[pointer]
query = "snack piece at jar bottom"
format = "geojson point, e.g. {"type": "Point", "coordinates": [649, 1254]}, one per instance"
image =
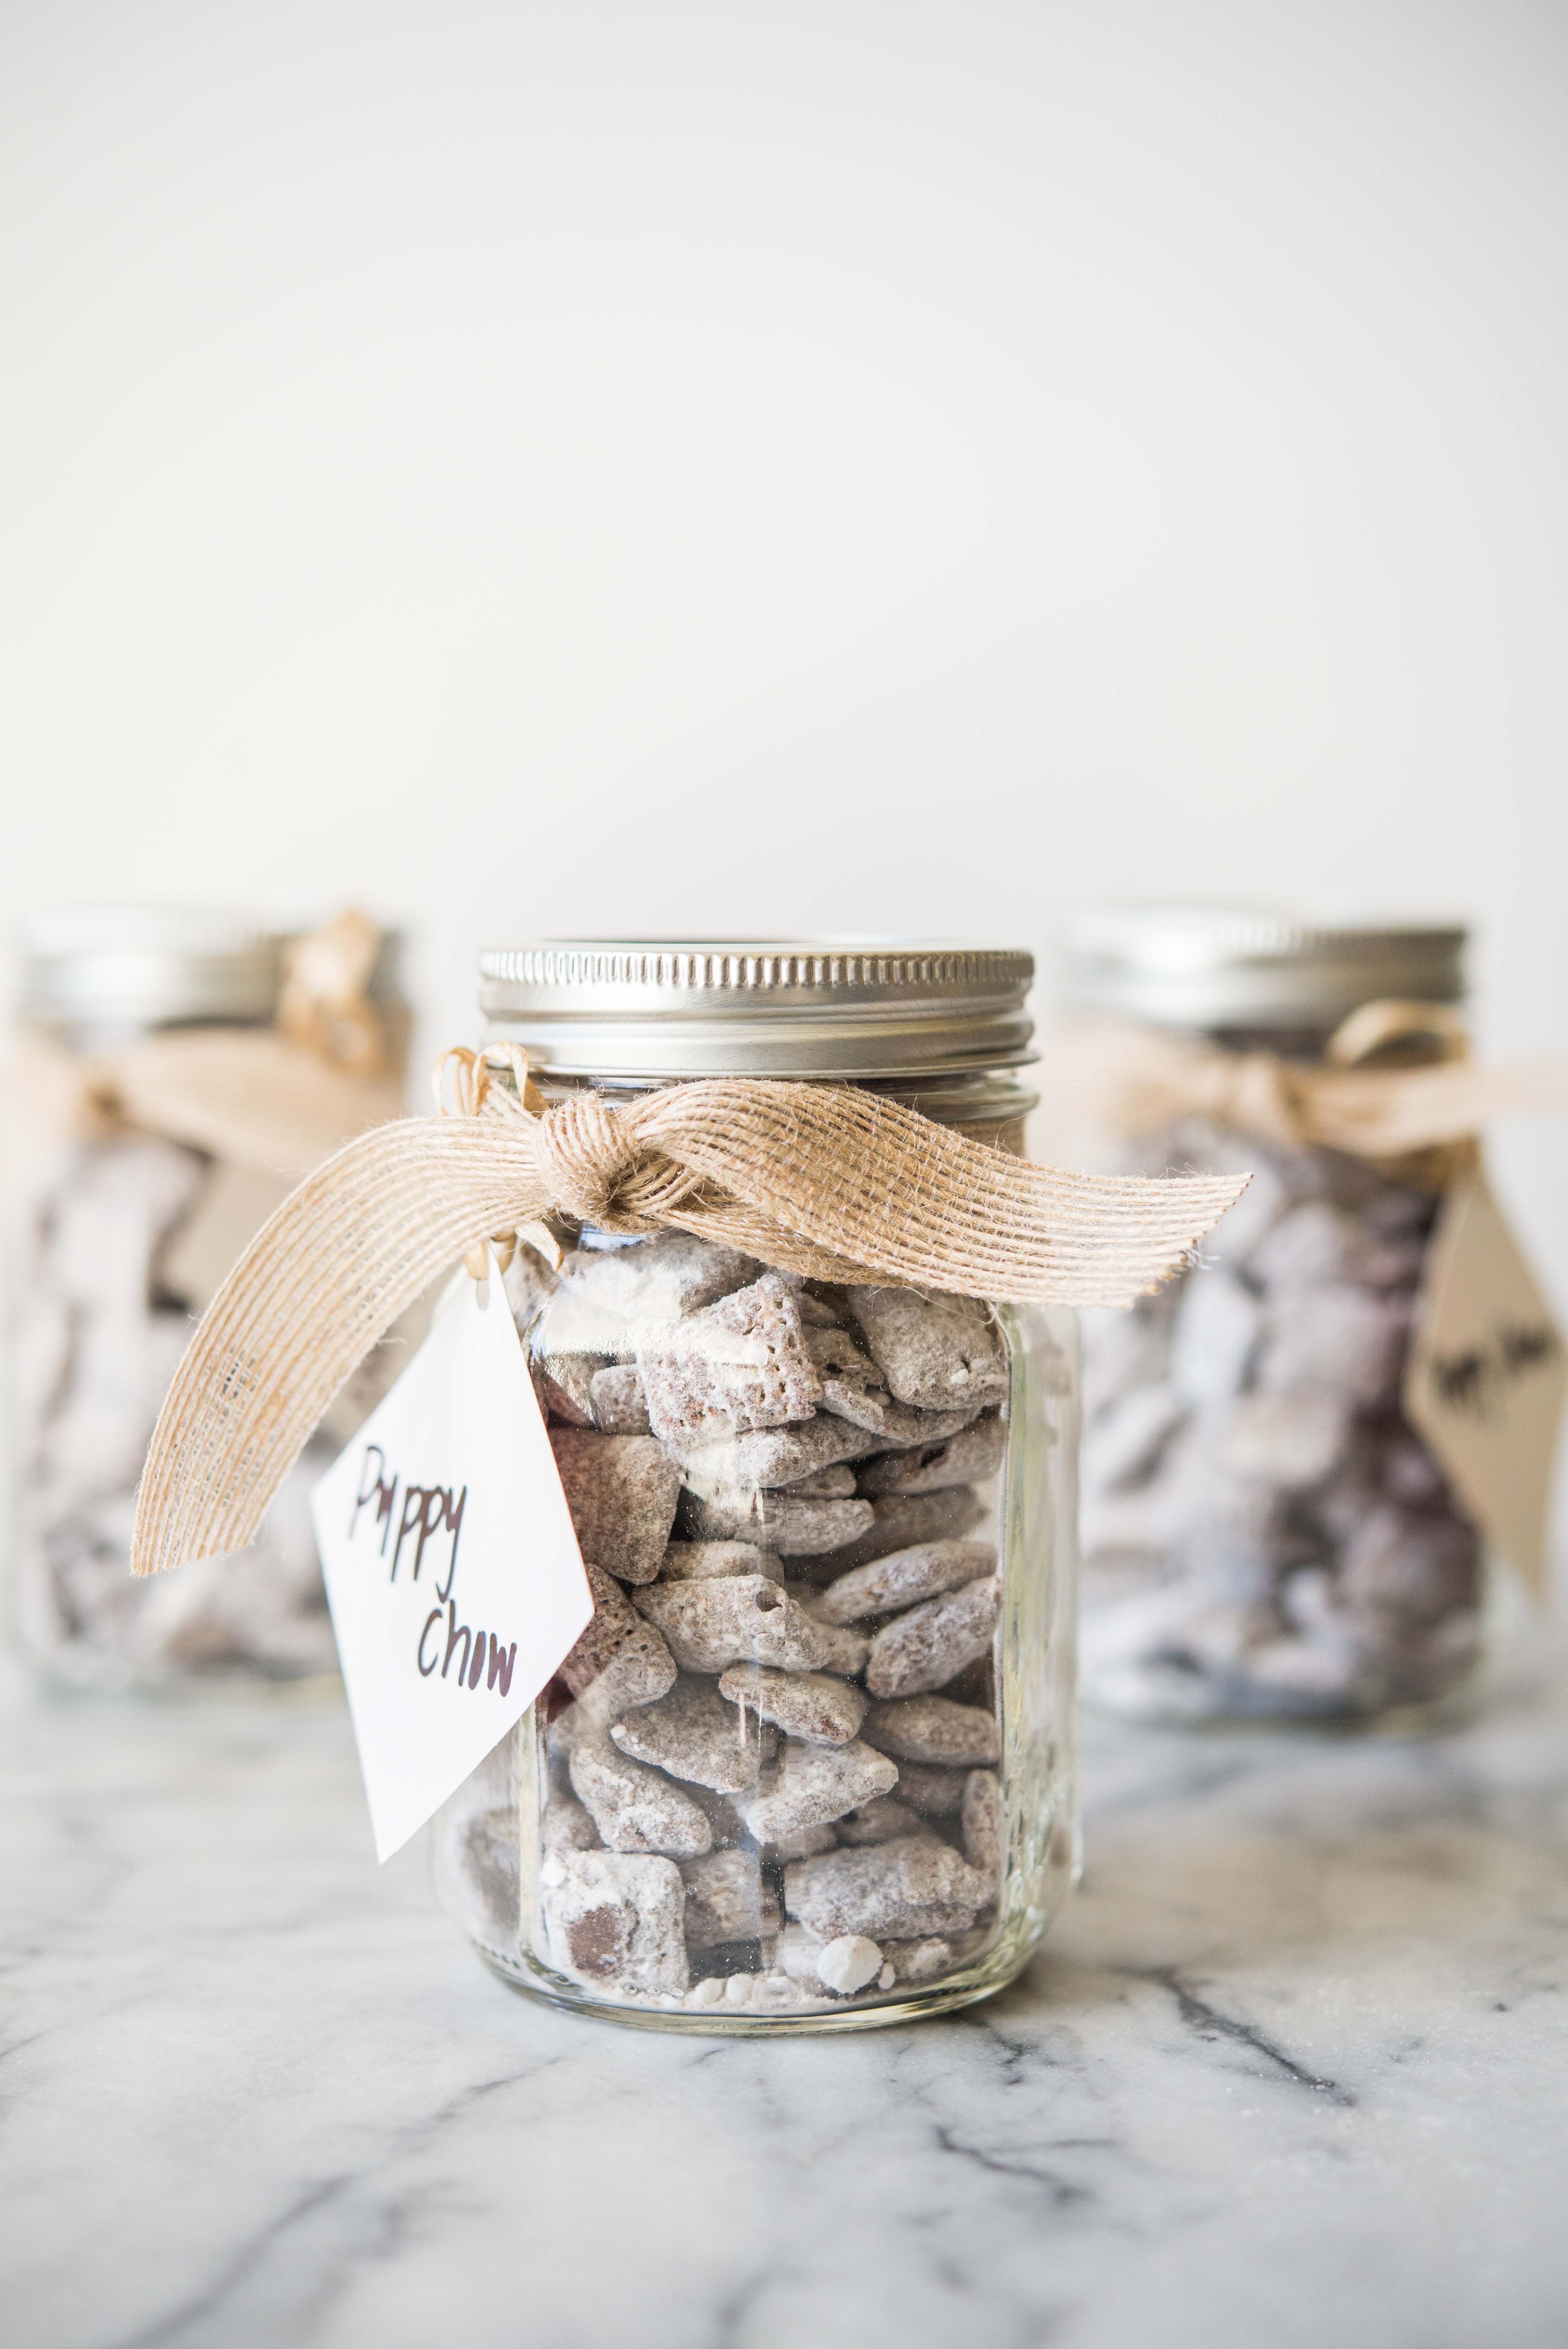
{"type": "Point", "coordinates": [900, 1521]}
{"type": "Point", "coordinates": [981, 1818]}
{"type": "Point", "coordinates": [617, 1400]}
{"type": "Point", "coordinates": [883, 1820]}
{"type": "Point", "coordinates": [780, 1521]}
{"type": "Point", "coordinates": [906, 1889]}
{"type": "Point", "coordinates": [919, 1961]}
{"type": "Point", "coordinates": [811, 1785]}
{"type": "Point", "coordinates": [634, 1808]}
{"type": "Point", "coordinates": [693, 1733]}
{"type": "Point", "coordinates": [934, 1730]}
{"type": "Point", "coordinates": [769, 1458]}
{"type": "Point", "coordinates": [738, 1618]}
{"type": "Point", "coordinates": [707, 1561]}
{"type": "Point", "coordinates": [971, 1457]}
{"type": "Point", "coordinates": [622, 1491]}
{"type": "Point", "coordinates": [903, 1579]}
{"type": "Point", "coordinates": [815, 1706]}
{"type": "Point", "coordinates": [934, 1349]}
{"type": "Point", "coordinates": [738, 1365]}
{"type": "Point", "coordinates": [726, 1899]}
{"type": "Point", "coordinates": [923, 1650]}
{"type": "Point", "coordinates": [617, 1919]}
{"type": "Point", "coordinates": [620, 1660]}
{"type": "Point", "coordinates": [851, 1963]}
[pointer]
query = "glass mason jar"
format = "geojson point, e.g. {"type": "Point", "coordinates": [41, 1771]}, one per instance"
{"type": "Point", "coordinates": [1265, 1533]}
{"type": "Point", "coordinates": [116, 1236]}
{"type": "Point", "coordinates": [812, 1765]}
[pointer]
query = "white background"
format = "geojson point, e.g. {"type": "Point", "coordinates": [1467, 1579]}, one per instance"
{"type": "Point", "coordinates": [721, 469]}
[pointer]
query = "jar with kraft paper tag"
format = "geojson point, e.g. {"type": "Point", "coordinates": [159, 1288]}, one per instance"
{"type": "Point", "coordinates": [1285, 1502]}
{"type": "Point", "coordinates": [175, 1071]}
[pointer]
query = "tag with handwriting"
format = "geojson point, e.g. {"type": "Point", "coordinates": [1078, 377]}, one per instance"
{"type": "Point", "coordinates": [452, 1571]}
{"type": "Point", "coordinates": [1487, 1373]}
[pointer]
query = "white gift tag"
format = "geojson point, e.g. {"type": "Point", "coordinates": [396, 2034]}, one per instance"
{"type": "Point", "coordinates": [452, 1571]}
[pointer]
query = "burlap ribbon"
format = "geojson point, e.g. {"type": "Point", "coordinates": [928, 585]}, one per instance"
{"type": "Point", "coordinates": [278, 1100]}
{"type": "Point", "coordinates": [1128, 1082]}
{"type": "Point", "coordinates": [824, 1181]}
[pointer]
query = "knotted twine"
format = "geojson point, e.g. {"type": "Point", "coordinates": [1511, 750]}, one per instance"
{"type": "Point", "coordinates": [825, 1181]}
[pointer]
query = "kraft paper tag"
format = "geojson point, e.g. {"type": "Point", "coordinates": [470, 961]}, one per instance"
{"type": "Point", "coordinates": [452, 1570]}
{"type": "Point", "coordinates": [1487, 1375]}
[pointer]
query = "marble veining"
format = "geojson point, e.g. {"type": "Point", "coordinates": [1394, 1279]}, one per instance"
{"type": "Point", "coordinates": [1291, 2071]}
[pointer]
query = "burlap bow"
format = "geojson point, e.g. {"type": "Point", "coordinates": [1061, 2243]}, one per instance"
{"type": "Point", "coordinates": [821, 1180]}
{"type": "Point", "coordinates": [278, 1100]}
{"type": "Point", "coordinates": [1126, 1081]}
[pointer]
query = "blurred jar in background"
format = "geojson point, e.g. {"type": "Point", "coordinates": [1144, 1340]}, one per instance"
{"type": "Point", "coordinates": [1265, 1533]}
{"type": "Point", "coordinates": [158, 1116]}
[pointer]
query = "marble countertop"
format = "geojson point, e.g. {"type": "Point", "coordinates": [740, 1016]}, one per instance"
{"type": "Point", "coordinates": [1291, 2070]}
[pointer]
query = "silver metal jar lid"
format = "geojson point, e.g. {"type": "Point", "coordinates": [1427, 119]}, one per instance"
{"type": "Point", "coordinates": [114, 967]}
{"type": "Point", "coordinates": [1195, 965]}
{"type": "Point", "coordinates": [652, 1008]}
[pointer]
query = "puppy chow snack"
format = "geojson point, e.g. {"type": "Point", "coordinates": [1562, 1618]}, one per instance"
{"type": "Point", "coordinates": [930, 1645]}
{"type": "Point", "coordinates": [707, 1561]}
{"type": "Point", "coordinates": [1247, 1453]}
{"type": "Point", "coordinates": [786, 1500]}
{"type": "Point", "coordinates": [911, 1886]}
{"type": "Point", "coordinates": [692, 1733]}
{"type": "Point", "coordinates": [815, 1706]}
{"type": "Point", "coordinates": [903, 1578]}
{"type": "Point", "coordinates": [789, 1523]}
{"type": "Point", "coordinates": [1248, 1445]}
{"type": "Point", "coordinates": [934, 1352]}
{"type": "Point", "coordinates": [622, 1491]}
{"type": "Point", "coordinates": [735, 1366]}
{"type": "Point", "coordinates": [811, 1785]}
{"type": "Point", "coordinates": [170, 1079]}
